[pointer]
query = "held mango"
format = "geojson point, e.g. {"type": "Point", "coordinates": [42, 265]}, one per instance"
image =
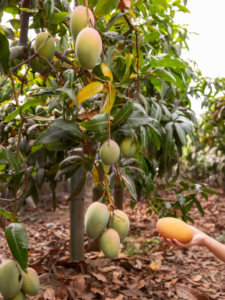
{"type": "Point", "coordinates": [120, 223]}
{"type": "Point", "coordinates": [173, 228]}
{"type": "Point", "coordinates": [79, 20]}
{"type": "Point", "coordinates": [11, 279]}
{"type": "Point", "coordinates": [128, 147]}
{"type": "Point", "coordinates": [110, 243]}
{"type": "Point", "coordinates": [19, 296]}
{"type": "Point", "coordinates": [47, 50]}
{"type": "Point", "coordinates": [96, 219]}
{"type": "Point", "coordinates": [88, 47]}
{"type": "Point", "coordinates": [31, 284]}
{"type": "Point", "coordinates": [109, 152]}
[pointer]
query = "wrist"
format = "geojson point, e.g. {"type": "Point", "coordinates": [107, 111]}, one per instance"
{"type": "Point", "coordinates": [204, 239]}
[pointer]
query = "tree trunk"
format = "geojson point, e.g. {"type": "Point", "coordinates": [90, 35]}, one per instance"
{"type": "Point", "coordinates": [118, 196]}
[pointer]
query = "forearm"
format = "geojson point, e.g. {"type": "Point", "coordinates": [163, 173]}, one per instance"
{"type": "Point", "coordinates": [214, 246]}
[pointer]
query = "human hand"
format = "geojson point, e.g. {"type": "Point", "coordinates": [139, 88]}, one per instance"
{"type": "Point", "coordinates": [198, 238]}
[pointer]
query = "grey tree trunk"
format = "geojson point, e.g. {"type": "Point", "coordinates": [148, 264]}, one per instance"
{"type": "Point", "coordinates": [118, 196]}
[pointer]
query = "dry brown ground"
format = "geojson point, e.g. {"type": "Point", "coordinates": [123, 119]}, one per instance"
{"type": "Point", "coordinates": [145, 269]}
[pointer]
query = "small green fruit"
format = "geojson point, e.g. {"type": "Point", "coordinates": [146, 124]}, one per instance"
{"type": "Point", "coordinates": [120, 223]}
{"type": "Point", "coordinates": [110, 243]}
{"type": "Point", "coordinates": [48, 50]}
{"type": "Point", "coordinates": [109, 152]}
{"type": "Point", "coordinates": [40, 111]}
{"type": "Point", "coordinates": [36, 66]}
{"type": "Point", "coordinates": [128, 147]}
{"type": "Point", "coordinates": [31, 284]}
{"type": "Point", "coordinates": [19, 296]}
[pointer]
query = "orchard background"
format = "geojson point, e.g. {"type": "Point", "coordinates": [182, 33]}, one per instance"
{"type": "Point", "coordinates": [56, 116]}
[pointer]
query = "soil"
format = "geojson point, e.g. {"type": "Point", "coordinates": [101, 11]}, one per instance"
{"type": "Point", "coordinates": [145, 268]}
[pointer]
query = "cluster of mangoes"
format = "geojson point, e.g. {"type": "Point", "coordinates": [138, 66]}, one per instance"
{"type": "Point", "coordinates": [110, 150]}
{"type": "Point", "coordinates": [111, 227]}
{"type": "Point", "coordinates": [15, 284]}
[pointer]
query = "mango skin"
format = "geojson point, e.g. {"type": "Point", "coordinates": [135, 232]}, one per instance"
{"type": "Point", "coordinates": [48, 50]}
{"type": "Point", "coordinates": [109, 152]}
{"type": "Point", "coordinates": [19, 296]}
{"type": "Point", "coordinates": [36, 66]}
{"type": "Point", "coordinates": [31, 284]}
{"type": "Point", "coordinates": [96, 219]}
{"type": "Point", "coordinates": [128, 147]}
{"type": "Point", "coordinates": [173, 228]}
{"type": "Point", "coordinates": [88, 47]}
{"type": "Point", "coordinates": [11, 279]}
{"type": "Point", "coordinates": [110, 243]}
{"type": "Point", "coordinates": [120, 223]}
{"type": "Point", "coordinates": [79, 20]}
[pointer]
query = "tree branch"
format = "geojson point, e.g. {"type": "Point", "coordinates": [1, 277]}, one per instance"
{"type": "Point", "coordinates": [24, 24]}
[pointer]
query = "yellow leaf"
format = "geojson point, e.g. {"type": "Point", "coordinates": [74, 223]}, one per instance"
{"type": "Point", "coordinates": [121, 255]}
{"type": "Point", "coordinates": [107, 72]}
{"type": "Point", "coordinates": [95, 177]}
{"type": "Point", "coordinates": [101, 254]}
{"type": "Point", "coordinates": [155, 265]}
{"type": "Point", "coordinates": [112, 100]}
{"type": "Point", "coordinates": [89, 91]}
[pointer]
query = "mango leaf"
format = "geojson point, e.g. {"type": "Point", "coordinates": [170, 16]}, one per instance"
{"type": "Point", "coordinates": [138, 118]}
{"type": "Point", "coordinates": [7, 214]}
{"type": "Point", "coordinates": [209, 191]}
{"type": "Point", "coordinates": [70, 126]}
{"type": "Point", "coordinates": [4, 53]}
{"type": "Point", "coordinates": [106, 71]}
{"type": "Point", "coordinates": [50, 135]}
{"type": "Point", "coordinates": [8, 32]}
{"type": "Point", "coordinates": [183, 8]}
{"type": "Point", "coordinates": [70, 93]}
{"type": "Point", "coordinates": [114, 19]}
{"type": "Point", "coordinates": [16, 179]}
{"type": "Point", "coordinates": [128, 64]}
{"type": "Point", "coordinates": [49, 6]}
{"type": "Point", "coordinates": [21, 109]}
{"type": "Point", "coordinates": [97, 124]}
{"type": "Point", "coordinates": [104, 7]}
{"type": "Point", "coordinates": [27, 193]}
{"type": "Point", "coordinates": [17, 240]}
{"type": "Point", "coordinates": [162, 3]}
{"type": "Point", "coordinates": [168, 139]}
{"type": "Point", "coordinates": [3, 5]}
{"type": "Point", "coordinates": [109, 100]}
{"type": "Point", "coordinates": [89, 91]}
{"type": "Point", "coordinates": [181, 133]}
{"type": "Point", "coordinates": [58, 17]}
{"type": "Point", "coordinates": [129, 183]}
{"type": "Point", "coordinates": [12, 159]}
{"type": "Point", "coordinates": [169, 62]}
{"type": "Point", "coordinates": [152, 36]}
{"type": "Point", "coordinates": [123, 114]}
{"type": "Point", "coordinates": [188, 128]}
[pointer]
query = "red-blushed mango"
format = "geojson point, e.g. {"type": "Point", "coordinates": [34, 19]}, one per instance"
{"type": "Point", "coordinates": [128, 147]}
{"type": "Point", "coordinates": [96, 219]}
{"type": "Point", "coordinates": [109, 152]}
{"type": "Point", "coordinates": [88, 47]}
{"type": "Point", "coordinates": [110, 243]}
{"type": "Point", "coordinates": [173, 228]}
{"type": "Point", "coordinates": [11, 279]}
{"type": "Point", "coordinates": [79, 20]}
{"type": "Point", "coordinates": [19, 296]}
{"type": "Point", "coordinates": [31, 284]}
{"type": "Point", "coordinates": [120, 223]}
{"type": "Point", "coordinates": [36, 66]}
{"type": "Point", "coordinates": [48, 50]}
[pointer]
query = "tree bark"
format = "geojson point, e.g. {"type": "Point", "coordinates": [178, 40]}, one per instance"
{"type": "Point", "coordinates": [24, 24]}
{"type": "Point", "coordinates": [118, 196]}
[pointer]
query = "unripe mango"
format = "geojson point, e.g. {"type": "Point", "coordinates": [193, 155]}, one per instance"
{"type": "Point", "coordinates": [128, 147]}
{"type": "Point", "coordinates": [120, 223]}
{"type": "Point", "coordinates": [109, 152]}
{"type": "Point", "coordinates": [36, 66]}
{"type": "Point", "coordinates": [11, 279]}
{"type": "Point", "coordinates": [110, 243]}
{"type": "Point", "coordinates": [96, 219]}
{"type": "Point", "coordinates": [40, 111]}
{"type": "Point", "coordinates": [173, 228]}
{"type": "Point", "coordinates": [19, 296]}
{"type": "Point", "coordinates": [88, 47]}
{"type": "Point", "coordinates": [31, 284]}
{"type": "Point", "coordinates": [47, 50]}
{"type": "Point", "coordinates": [79, 20]}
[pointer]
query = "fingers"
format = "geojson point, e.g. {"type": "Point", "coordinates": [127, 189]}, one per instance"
{"type": "Point", "coordinates": [169, 242]}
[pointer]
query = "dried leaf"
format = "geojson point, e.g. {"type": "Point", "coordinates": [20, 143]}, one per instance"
{"type": "Point", "coordinates": [49, 294]}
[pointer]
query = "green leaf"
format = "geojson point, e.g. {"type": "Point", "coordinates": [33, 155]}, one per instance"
{"type": "Point", "coordinates": [170, 62]}
{"type": "Point", "coordinates": [53, 104]}
{"type": "Point", "coordinates": [50, 135]}
{"type": "Point", "coordinates": [199, 207]}
{"type": "Point", "coordinates": [70, 93]}
{"type": "Point", "coordinates": [114, 19]}
{"type": "Point", "coordinates": [21, 109]}
{"type": "Point", "coordinates": [49, 6]}
{"type": "Point", "coordinates": [27, 193]}
{"type": "Point", "coordinates": [181, 200]}
{"type": "Point", "coordinates": [138, 118]}
{"type": "Point", "coordinates": [168, 139]}
{"type": "Point", "coordinates": [13, 160]}
{"type": "Point", "coordinates": [15, 23]}
{"type": "Point", "coordinates": [29, 10]}
{"type": "Point", "coordinates": [8, 32]}
{"type": "Point", "coordinates": [4, 53]}
{"type": "Point", "coordinates": [104, 7]}
{"type": "Point", "coordinates": [188, 128]}
{"type": "Point", "coordinates": [129, 183]}
{"type": "Point", "coordinates": [40, 177]}
{"type": "Point", "coordinates": [70, 126]}
{"type": "Point", "coordinates": [7, 214]}
{"type": "Point", "coordinates": [3, 5]}
{"type": "Point", "coordinates": [210, 191]}
{"type": "Point", "coordinates": [58, 17]}
{"type": "Point", "coordinates": [127, 71]}
{"type": "Point", "coordinates": [162, 3]}
{"type": "Point", "coordinates": [98, 123]}
{"type": "Point", "coordinates": [123, 114]}
{"type": "Point", "coordinates": [183, 8]}
{"type": "Point", "coordinates": [152, 36]}
{"type": "Point", "coordinates": [204, 195]}
{"type": "Point", "coordinates": [181, 133]}
{"type": "Point", "coordinates": [17, 240]}
{"type": "Point", "coordinates": [16, 179]}
{"type": "Point", "coordinates": [78, 188]}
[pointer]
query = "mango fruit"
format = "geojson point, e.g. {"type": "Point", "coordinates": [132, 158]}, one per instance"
{"type": "Point", "coordinates": [128, 147]}
{"type": "Point", "coordinates": [109, 152]}
{"type": "Point", "coordinates": [110, 243]}
{"type": "Point", "coordinates": [11, 279]}
{"type": "Point", "coordinates": [40, 111]}
{"type": "Point", "coordinates": [79, 20]}
{"type": "Point", "coordinates": [36, 66]}
{"type": "Point", "coordinates": [88, 47]}
{"type": "Point", "coordinates": [48, 50]}
{"type": "Point", "coordinates": [96, 219]}
{"type": "Point", "coordinates": [31, 284]}
{"type": "Point", "coordinates": [173, 228]}
{"type": "Point", "coordinates": [19, 296]}
{"type": "Point", "coordinates": [120, 223]}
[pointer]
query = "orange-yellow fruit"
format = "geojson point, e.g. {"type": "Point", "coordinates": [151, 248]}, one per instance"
{"type": "Point", "coordinates": [120, 223]}
{"type": "Point", "coordinates": [110, 243]}
{"type": "Point", "coordinates": [96, 219]}
{"type": "Point", "coordinates": [109, 152]}
{"type": "Point", "coordinates": [31, 284]}
{"type": "Point", "coordinates": [79, 20]}
{"type": "Point", "coordinates": [47, 50]}
{"type": "Point", "coordinates": [88, 47]}
{"type": "Point", "coordinates": [174, 229]}
{"type": "Point", "coordinates": [129, 147]}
